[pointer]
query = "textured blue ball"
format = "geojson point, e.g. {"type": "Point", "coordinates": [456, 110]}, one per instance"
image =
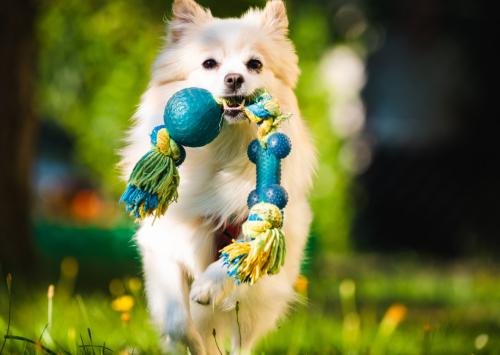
{"type": "Point", "coordinates": [253, 199]}
{"type": "Point", "coordinates": [276, 195]}
{"type": "Point", "coordinates": [253, 150]}
{"type": "Point", "coordinates": [182, 157]}
{"type": "Point", "coordinates": [192, 117]}
{"type": "Point", "coordinates": [280, 145]}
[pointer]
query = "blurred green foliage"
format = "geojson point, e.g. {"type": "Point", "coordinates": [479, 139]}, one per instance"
{"type": "Point", "coordinates": [94, 64]}
{"type": "Point", "coordinates": [93, 67]}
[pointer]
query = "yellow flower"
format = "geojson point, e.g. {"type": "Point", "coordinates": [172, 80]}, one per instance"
{"type": "Point", "coordinates": [396, 313]}
{"type": "Point", "coordinates": [123, 303]}
{"type": "Point", "coordinates": [301, 284]}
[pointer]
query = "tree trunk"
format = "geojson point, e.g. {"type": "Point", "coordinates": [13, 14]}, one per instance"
{"type": "Point", "coordinates": [17, 132]}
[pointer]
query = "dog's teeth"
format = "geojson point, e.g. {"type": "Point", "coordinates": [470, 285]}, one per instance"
{"type": "Point", "coordinates": [225, 106]}
{"type": "Point", "coordinates": [243, 103]}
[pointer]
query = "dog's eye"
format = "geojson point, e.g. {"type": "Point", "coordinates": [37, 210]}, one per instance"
{"type": "Point", "coordinates": [254, 64]}
{"type": "Point", "coordinates": [209, 64]}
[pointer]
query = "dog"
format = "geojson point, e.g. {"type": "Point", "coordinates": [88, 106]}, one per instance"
{"type": "Point", "coordinates": [188, 290]}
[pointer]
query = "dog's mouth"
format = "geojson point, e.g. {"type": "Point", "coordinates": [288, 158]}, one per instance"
{"type": "Point", "coordinates": [233, 107]}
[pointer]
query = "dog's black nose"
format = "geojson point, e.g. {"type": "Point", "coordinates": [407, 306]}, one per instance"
{"type": "Point", "coordinates": [234, 81]}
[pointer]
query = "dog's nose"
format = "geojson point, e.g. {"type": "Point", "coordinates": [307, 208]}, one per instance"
{"type": "Point", "coordinates": [234, 81]}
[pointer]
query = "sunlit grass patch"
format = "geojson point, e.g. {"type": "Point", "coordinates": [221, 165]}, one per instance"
{"type": "Point", "coordinates": [373, 313]}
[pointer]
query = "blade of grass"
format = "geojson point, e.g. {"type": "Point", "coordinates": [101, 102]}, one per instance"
{"type": "Point", "coordinates": [215, 338]}
{"type": "Point", "coordinates": [14, 337]}
{"type": "Point", "coordinates": [238, 321]}
{"type": "Point", "coordinates": [83, 345]}
{"type": "Point", "coordinates": [9, 283]}
{"type": "Point", "coordinates": [50, 296]}
{"type": "Point", "coordinates": [43, 331]}
{"type": "Point", "coordinates": [299, 332]}
{"type": "Point", "coordinates": [90, 336]}
{"type": "Point", "coordinates": [95, 346]}
{"type": "Point", "coordinates": [83, 309]}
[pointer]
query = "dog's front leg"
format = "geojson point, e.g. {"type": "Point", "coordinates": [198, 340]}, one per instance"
{"type": "Point", "coordinates": [167, 290]}
{"type": "Point", "coordinates": [212, 286]}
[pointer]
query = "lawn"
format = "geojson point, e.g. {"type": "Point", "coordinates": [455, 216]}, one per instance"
{"type": "Point", "coordinates": [365, 304]}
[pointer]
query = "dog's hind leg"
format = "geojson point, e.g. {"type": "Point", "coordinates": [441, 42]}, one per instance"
{"type": "Point", "coordinates": [168, 296]}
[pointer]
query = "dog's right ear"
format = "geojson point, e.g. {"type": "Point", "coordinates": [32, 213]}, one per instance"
{"type": "Point", "coordinates": [187, 14]}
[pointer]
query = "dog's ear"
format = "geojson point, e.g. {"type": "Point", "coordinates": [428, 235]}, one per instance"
{"type": "Point", "coordinates": [273, 17]}
{"type": "Point", "coordinates": [187, 14]}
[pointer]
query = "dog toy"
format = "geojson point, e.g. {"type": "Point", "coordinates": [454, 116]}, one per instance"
{"type": "Point", "coordinates": [193, 119]}
{"type": "Point", "coordinates": [264, 249]}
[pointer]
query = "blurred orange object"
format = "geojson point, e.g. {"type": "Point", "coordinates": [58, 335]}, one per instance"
{"type": "Point", "coordinates": [86, 205]}
{"type": "Point", "coordinates": [125, 317]}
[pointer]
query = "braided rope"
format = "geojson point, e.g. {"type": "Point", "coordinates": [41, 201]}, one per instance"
{"type": "Point", "coordinates": [265, 251]}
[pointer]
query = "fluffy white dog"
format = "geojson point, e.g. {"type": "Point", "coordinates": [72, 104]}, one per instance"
{"type": "Point", "coordinates": [189, 293]}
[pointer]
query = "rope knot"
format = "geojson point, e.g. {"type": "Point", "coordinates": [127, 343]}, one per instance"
{"type": "Point", "coordinates": [165, 145]}
{"type": "Point", "coordinates": [263, 251]}
{"type": "Point", "coordinates": [263, 216]}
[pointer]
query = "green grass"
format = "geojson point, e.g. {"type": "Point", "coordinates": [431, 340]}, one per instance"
{"type": "Point", "coordinates": [450, 308]}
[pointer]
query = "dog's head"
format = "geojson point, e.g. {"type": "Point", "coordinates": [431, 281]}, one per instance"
{"type": "Point", "coordinates": [229, 57]}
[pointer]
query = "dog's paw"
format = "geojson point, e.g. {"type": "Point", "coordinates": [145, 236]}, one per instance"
{"type": "Point", "coordinates": [203, 291]}
{"type": "Point", "coordinates": [211, 287]}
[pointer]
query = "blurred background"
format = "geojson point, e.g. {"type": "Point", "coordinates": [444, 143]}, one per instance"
{"type": "Point", "coordinates": [399, 95]}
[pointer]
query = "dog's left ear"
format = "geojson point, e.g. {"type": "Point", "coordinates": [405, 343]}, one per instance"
{"type": "Point", "coordinates": [273, 17]}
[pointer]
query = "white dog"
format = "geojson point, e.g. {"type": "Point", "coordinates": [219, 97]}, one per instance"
{"type": "Point", "coordinates": [189, 293]}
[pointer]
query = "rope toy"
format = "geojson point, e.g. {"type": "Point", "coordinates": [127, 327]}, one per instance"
{"type": "Point", "coordinates": [264, 249]}
{"type": "Point", "coordinates": [193, 118]}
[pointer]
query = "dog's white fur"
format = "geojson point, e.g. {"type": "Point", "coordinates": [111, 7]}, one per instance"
{"type": "Point", "coordinates": [179, 248]}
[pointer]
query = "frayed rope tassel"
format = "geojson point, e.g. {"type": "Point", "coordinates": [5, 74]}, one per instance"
{"type": "Point", "coordinates": [265, 251]}
{"type": "Point", "coordinates": [153, 184]}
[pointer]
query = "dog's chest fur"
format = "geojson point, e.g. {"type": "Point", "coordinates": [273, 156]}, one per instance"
{"type": "Point", "coordinates": [216, 179]}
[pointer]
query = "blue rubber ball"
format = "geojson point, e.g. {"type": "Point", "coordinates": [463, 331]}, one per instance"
{"type": "Point", "coordinates": [192, 117]}
{"type": "Point", "coordinates": [253, 150]}
{"type": "Point", "coordinates": [253, 199]}
{"type": "Point", "coordinates": [276, 195]}
{"type": "Point", "coordinates": [280, 145]}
